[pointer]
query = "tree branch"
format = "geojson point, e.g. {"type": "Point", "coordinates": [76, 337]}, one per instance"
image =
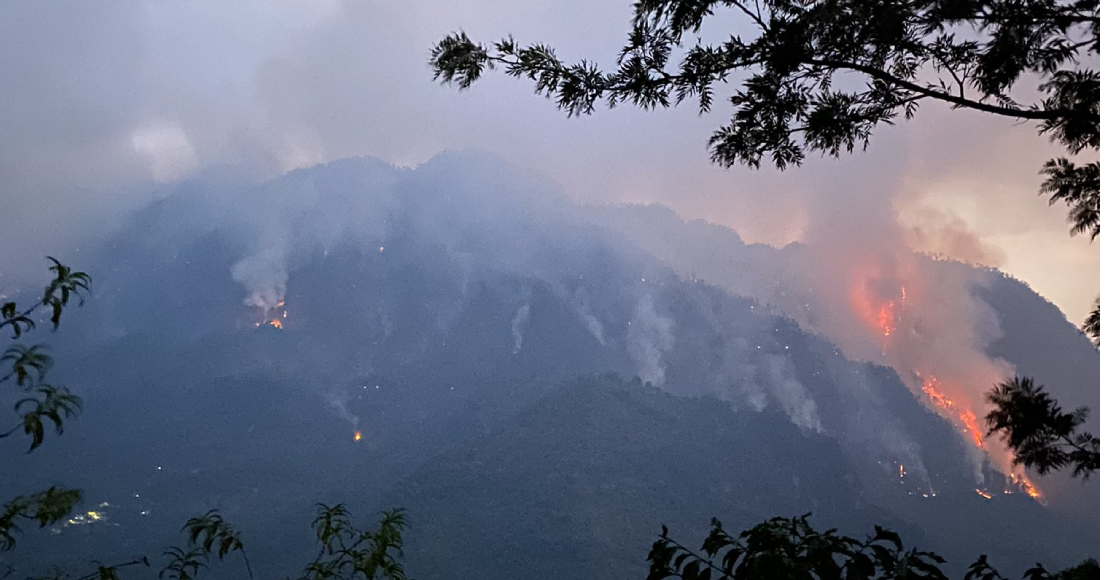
{"type": "Point", "coordinates": [1080, 448]}
{"type": "Point", "coordinates": [756, 16]}
{"type": "Point", "coordinates": [24, 314]}
{"type": "Point", "coordinates": [10, 431]}
{"type": "Point", "coordinates": [95, 575]}
{"type": "Point", "coordinates": [1050, 114]}
{"type": "Point", "coordinates": [248, 568]}
{"type": "Point", "coordinates": [698, 557]}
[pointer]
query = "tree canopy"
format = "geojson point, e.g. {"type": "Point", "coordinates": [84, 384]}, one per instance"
{"type": "Point", "coordinates": [1042, 435]}
{"type": "Point", "coordinates": [821, 75]}
{"type": "Point", "coordinates": [790, 548]}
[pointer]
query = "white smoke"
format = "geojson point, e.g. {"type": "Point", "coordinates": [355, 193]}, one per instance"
{"type": "Point", "coordinates": [790, 393]}
{"type": "Point", "coordinates": [836, 284]}
{"type": "Point", "coordinates": [649, 337]}
{"type": "Point", "coordinates": [738, 376]}
{"type": "Point", "coordinates": [338, 402]}
{"type": "Point", "coordinates": [301, 215]}
{"type": "Point", "coordinates": [264, 275]}
{"type": "Point", "coordinates": [581, 302]}
{"type": "Point", "coordinates": [518, 326]}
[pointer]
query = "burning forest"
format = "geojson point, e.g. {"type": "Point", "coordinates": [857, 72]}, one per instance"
{"type": "Point", "coordinates": [899, 321]}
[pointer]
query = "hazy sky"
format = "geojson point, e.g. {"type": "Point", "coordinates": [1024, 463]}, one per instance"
{"type": "Point", "coordinates": [102, 98]}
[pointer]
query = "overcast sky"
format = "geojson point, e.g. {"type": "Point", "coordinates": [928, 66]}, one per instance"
{"type": "Point", "coordinates": [102, 98]}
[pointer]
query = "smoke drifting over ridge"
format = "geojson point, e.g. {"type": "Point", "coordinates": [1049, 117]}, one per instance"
{"type": "Point", "coordinates": [106, 99]}
{"type": "Point", "coordinates": [466, 271]}
{"type": "Point", "coordinates": [487, 220]}
{"type": "Point", "coordinates": [492, 219]}
{"type": "Point", "coordinates": [429, 275]}
{"type": "Point", "coordinates": [865, 290]}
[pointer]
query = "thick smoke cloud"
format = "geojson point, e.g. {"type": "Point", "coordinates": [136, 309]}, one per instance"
{"type": "Point", "coordinates": [104, 99]}
{"type": "Point", "coordinates": [456, 221]}
{"type": "Point", "coordinates": [467, 258]}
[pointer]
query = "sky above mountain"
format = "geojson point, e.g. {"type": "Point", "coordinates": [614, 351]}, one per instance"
{"type": "Point", "coordinates": [102, 99]}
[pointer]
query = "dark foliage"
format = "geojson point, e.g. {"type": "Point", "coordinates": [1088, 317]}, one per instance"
{"type": "Point", "coordinates": [1079, 186]}
{"type": "Point", "coordinates": [43, 508]}
{"type": "Point", "coordinates": [39, 402]}
{"type": "Point", "coordinates": [790, 548]}
{"type": "Point", "coordinates": [345, 552]}
{"type": "Point", "coordinates": [782, 548]}
{"type": "Point", "coordinates": [1092, 324]}
{"type": "Point", "coordinates": [820, 76]}
{"type": "Point", "coordinates": [1043, 437]}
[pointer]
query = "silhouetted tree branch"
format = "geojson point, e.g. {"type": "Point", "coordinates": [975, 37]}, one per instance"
{"type": "Point", "coordinates": [1042, 435]}
{"type": "Point", "coordinates": [791, 548]}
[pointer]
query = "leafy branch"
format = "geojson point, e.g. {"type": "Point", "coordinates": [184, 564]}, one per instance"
{"type": "Point", "coordinates": [1042, 435]}
{"type": "Point", "coordinates": [45, 508]}
{"type": "Point", "coordinates": [791, 548]}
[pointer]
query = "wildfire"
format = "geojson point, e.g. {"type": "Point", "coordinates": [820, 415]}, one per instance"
{"type": "Point", "coordinates": [887, 319]}
{"type": "Point", "coordinates": [969, 426]}
{"type": "Point", "coordinates": [879, 299]}
{"type": "Point", "coordinates": [357, 436]}
{"type": "Point", "coordinates": [1025, 485]}
{"type": "Point", "coordinates": [274, 316]}
{"type": "Point", "coordinates": [891, 315]}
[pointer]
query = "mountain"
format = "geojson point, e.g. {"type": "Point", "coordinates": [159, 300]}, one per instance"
{"type": "Point", "coordinates": [1021, 329]}
{"type": "Point", "coordinates": [538, 384]}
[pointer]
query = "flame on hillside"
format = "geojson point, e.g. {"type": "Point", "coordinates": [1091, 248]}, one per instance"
{"type": "Point", "coordinates": [879, 299]}
{"type": "Point", "coordinates": [273, 316]}
{"type": "Point", "coordinates": [904, 314]}
{"type": "Point", "coordinates": [966, 419]}
{"type": "Point", "coordinates": [887, 320]}
{"type": "Point", "coordinates": [357, 436]}
{"type": "Point", "coordinates": [1023, 484]}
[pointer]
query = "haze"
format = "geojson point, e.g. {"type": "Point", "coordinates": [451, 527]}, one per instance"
{"type": "Point", "coordinates": [102, 99]}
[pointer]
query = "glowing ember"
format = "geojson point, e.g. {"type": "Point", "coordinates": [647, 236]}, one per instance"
{"type": "Point", "coordinates": [357, 436]}
{"type": "Point", "coordinates": [983, 494]}
{"type": "Point", "coordinates": [901, 470]}
{"type": "Point", "coordinates": [887, 318]}
{"type": "Point", "coordinates": [1025, 485]}
{"type": "Point", "coordinates": [273, 316]}
{"type": "Point", "coordinates": [969, 426]}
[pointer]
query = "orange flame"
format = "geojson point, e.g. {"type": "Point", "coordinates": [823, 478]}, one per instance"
{"type": "Point", "coordinates": [969, 426]}
{"type": "Point", "coordinates": [983, 494]}
{"type": "Point", "coordinates": [879, 299]}
{"type": "Point", "coordinates": [273, 317]}
{"type": "Point", "coordinates": [1025, 485]}
{"type": "Point", "coordinates": [357, 436]}
{"type": "Point", "coordinates": [887, 318]}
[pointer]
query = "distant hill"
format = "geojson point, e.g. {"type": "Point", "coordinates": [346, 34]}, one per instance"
{"type": "Point", "coordinates": [577, 486]}
{"type": "Point", "coordinates": [483, 335]}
